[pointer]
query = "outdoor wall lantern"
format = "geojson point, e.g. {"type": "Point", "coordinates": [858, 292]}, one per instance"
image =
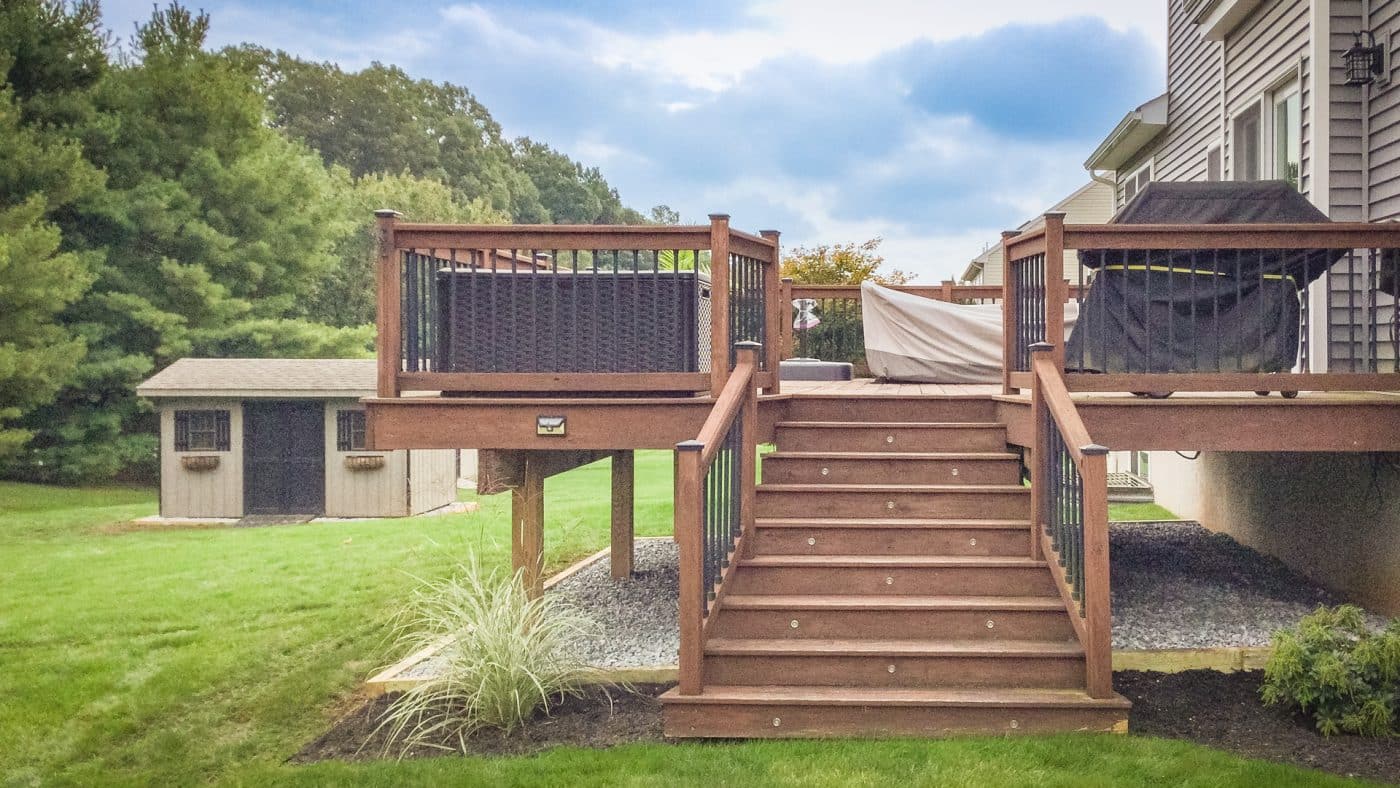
{"type": "Point", "coordinates": [1364, 61]}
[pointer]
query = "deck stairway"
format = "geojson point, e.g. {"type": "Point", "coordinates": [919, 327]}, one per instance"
{"type": "Point", "coordinates": [890, 588]}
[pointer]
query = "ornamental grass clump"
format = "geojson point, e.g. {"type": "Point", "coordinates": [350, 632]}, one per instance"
{"type": "Point", "coordinates": [503, 657]}
{"type": "Point", "coordinates": [1339, 670]}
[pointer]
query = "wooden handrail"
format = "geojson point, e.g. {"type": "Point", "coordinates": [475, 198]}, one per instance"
{"type": "Point", "coordinates": [694, 459]}
{"type": "Point", "coordinates": [1056, 398]}
{"type": "Point", "coordinates": [1050, 397]}
{"type": "Point", "coordinates": [726, 408]}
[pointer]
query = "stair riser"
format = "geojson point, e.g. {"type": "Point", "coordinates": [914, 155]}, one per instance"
{"type": "Point", "coordinates": [889, 410]}
{"type": "Point", "coordinates": [857, 624]}
{"type": "Point", "coordinates": [923, 581]}
{"type": "Point", "coordinates": [865, 540]}
{"type": "Point", "coordinates": [793, 470]}
{"type": "Point", "coordinates": [906, 439]}
{"type": "Point", "coordinates": [909, 672]}
{"type": "Point", "coordinates": [893, 503]}
{"type": "Point", "coordinates": [821, 720]}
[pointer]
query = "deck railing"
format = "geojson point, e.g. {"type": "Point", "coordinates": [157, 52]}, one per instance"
{"type": "Point", "coordinates": [1194, 308]}
{"type": "Point", "coordinates": [568, 308]}
{"type": "Point", "coordinates": [837, 333]}
{"type": "Point", "coordinates": [1069, 502]}
{"type": "Point", "coordinates": [716, 478]}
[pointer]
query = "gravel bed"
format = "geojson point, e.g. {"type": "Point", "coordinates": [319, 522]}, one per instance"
{"type": "Point", "coordinates": [1175, 585]}
{"type": "Point", "coordinates": [1178, 585]}
{"type": "Point", "coordinates": [638, 618]}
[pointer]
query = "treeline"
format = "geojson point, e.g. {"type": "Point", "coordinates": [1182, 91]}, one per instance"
{"type": "Point", "coordinates": [158, 200]}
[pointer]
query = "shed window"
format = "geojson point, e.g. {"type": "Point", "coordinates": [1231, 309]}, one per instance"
{"type": "Point", "coordinates": [201, 430]}
{"type": "Point", "coordinates": [350, 430]}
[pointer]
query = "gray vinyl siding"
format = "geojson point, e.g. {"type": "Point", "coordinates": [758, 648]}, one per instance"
{"type": "Point", "coordinates": [1273, 40]}
{"type": "Point", "coordinates": [1193, 101]}
{"type": "Point", "coordinates": [1356, 313]}
{"type": "Point", "coordinates": [1385, 123]}
{"type": "Point", "coordinates": [1345, 122]}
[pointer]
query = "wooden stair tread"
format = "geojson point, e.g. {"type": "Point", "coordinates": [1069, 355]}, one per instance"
{"type": "Point", "coordinates": [912, 561]}
{"type": "Point", "coordinates": [882, 456]}
{"type": "Point", "coordinates": [997, 697]}
{"type": "Point", "coordinates": [895, 425]}
{"type": "Point", "coordinates": [888, 522]}
{"type": "Point", "coordinates": [1048, 603]}
{"type": "Point", "coordinates": [997, 489]}
{"type": "Point", "coordinates": [823, 647]}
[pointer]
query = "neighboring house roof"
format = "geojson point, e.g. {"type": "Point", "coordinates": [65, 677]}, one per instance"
{"type": "Point", "coordinates": [312, 378]}
{"type": "Point", "coordinates": [1131, 135]}
{"type": "Point", "coordinates": [1091, 203]}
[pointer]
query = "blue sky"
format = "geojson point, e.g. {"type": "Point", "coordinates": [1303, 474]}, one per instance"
{"type": "Point", "coordinates": [931, 123]}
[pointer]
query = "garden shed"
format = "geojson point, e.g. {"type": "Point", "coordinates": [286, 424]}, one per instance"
{"type": "Point", "coordinates": [251, 437]}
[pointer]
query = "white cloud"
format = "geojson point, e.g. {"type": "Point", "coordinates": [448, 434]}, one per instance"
{"type": "Point", "coordinates": [841, 32]}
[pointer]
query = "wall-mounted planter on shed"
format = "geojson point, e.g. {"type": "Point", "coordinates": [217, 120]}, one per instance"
{"type": "Point", "coordinates": [364, 462]}
{"type": "Point", "coordinates": [199, 463]}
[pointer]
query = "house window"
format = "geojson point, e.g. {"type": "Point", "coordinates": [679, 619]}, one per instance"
{"type": "Point", "coordinates": [1215, 164]}
{"type": "Point", "coordinates": [350, 430]}
{"type": "Point", "coordinates": [1136, 182]}
{"type": "Point", "coordinates": [1287, 135]}
{"type": "Point", "coordinates": [1246, 133]}
{"type": "Point", "coordinates": [201, 430]}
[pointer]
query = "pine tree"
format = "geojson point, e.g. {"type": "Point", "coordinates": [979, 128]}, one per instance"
{"type": "Point", "coordinates": [50, 57]}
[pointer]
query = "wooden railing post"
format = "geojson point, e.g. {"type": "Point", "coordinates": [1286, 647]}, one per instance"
{"type": "Point", "coordinates": [1098, 645]}
{"type": "Point", "coordinates": [1009, 306]}
{"type": "Point", "coordinates": [774, 309]}
{"type": "Point", "coordinates": [748, 461]}
{"type": "Point", "coordinates": [945, 293]}
{"type": "Point", "coordinates": [1040, 453]}
{"type": "Point", "coordinates": [787, 334]}
{"type": "Point", "coordinates": [719, 302]}
{"type": "Point", "coordinates": [388, 340]}
{"type": "Point", "coordinates": [1056, 288]}
{"type": "Point", "coordinates": [690, 479]}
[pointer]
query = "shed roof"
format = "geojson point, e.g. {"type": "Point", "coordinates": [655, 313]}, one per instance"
{"type": "Point", "coordinates": [310, 378]}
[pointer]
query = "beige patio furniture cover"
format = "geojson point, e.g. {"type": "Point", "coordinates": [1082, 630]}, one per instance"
{"type": "Point", "coordinates": [920, 340]}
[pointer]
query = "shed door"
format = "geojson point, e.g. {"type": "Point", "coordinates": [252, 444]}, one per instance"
{"type": "Point", "coordinates": [284, 458]}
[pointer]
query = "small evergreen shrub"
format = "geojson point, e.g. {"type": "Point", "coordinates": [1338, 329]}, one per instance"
{"type": "Point", "coordinates": [1337, 669]}
{"type": "Point", "coordinates": [505, 657]}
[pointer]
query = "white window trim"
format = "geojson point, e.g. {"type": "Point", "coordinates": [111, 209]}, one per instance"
{"type": "Point", "coordinates": [1218, 145]}
{"type": "Point", "coordinates": [1150, 166]}
{"type": "Point", "coordinates": [1287, 77]}
{"type": "Point", "coordinates": [1289, 83]}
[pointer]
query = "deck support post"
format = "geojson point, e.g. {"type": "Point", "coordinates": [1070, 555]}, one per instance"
{"type": "Point", "coordinates": [1056, 286]}
{"type": "Point", "coordinates": [774, 310]}
{"type": "Point", "coordinates": [623, 523]}
{"type": "Point", "coordinates": [1008, 318]}
{"type": "Point", "coordinates": [387, 294]}
{"type": "Point", "coordinates": [719, 302]}
{"type": "Point", "coordinates": [689, 522]}
{"type": "Point", "coordinates": [527, 526]}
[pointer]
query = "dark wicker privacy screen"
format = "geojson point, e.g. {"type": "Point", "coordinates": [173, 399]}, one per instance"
{"type": "Point", "coordinates": [585, 321]}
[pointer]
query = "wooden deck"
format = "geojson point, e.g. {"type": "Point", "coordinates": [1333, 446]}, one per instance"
{"type": "Point", "coordinates": [870, 387]}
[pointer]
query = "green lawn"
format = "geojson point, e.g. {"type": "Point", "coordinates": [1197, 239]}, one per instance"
{"type": "Point", "coordinates": [194, 655]}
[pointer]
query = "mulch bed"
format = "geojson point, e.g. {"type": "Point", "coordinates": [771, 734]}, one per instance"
{"type": "Point", "coordinates": [596, 719]}
{"type": "Point", "coordinates": [1223, 710]}
{"type": "Point", "coordinates": [1220, 710]}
